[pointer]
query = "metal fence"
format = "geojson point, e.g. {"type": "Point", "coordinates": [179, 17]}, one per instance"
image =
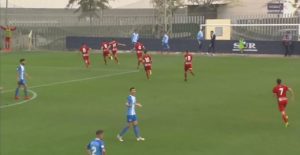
{"type": "Point", "coordinates": [271, 33]}
{"type": "Point", "coordinates": [50, 30]}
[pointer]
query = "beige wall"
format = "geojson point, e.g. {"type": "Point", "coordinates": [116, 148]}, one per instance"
{"type": "Point", "coordinates": [243, 8]}
{"type": "Point", "coordinates": [226, 29]}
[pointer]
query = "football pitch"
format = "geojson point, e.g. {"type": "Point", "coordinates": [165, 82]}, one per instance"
{"type": "Point", "coordinates": [227, 109]}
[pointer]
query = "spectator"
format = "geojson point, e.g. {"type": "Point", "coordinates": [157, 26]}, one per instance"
{"type": "Point", "coordinates": [211, 48]}
{"type": "Point", "coordinates": [287, 43]}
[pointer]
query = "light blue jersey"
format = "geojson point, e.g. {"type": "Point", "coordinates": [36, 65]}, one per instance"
{"type": "Point", "coordinates": [21, 72]}
{"type": "Point", "coordinates": [131, 100]}
{"type": "Point", "coordinates": [96, 147]}
{"type": "Point", "coordinates": [200, 35]}
{"type": "Point", "coordinates": [134, 37]}
{"type": "Point", "coordinates": [165, 39]}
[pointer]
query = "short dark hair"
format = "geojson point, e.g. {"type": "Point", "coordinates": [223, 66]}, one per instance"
{"type": "Point", "coordinates": [99, 132]}
{"type": "Point", "coordinates": [22, 60]}
{"type": "Point", "coordinates": [278, 81]}
{"type": "Point", "coordinates": [130, 89]}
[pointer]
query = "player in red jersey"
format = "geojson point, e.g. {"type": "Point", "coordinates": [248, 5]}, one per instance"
{"type": "Point", "coordinates": [147, 61]}
{"type": "Point", "coordinates": [114, 49]}
{"type": "Point", "coordinates": [139, 48]}
{"type": "Point", "coordinates": [280, 92]}
{"type": "Point", "coordinates": [85, 51]}
{"type": "Point", "coordinates": [105, 48]}
{"type": "Point", "coordinates": [188, 67]}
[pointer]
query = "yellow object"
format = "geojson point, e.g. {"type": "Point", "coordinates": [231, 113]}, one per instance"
{"type": "Point", "coordinates": [220, 27]}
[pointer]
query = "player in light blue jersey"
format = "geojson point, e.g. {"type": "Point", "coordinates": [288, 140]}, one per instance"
{"type": "Point", "coordinates": [22, 79]}
{"type": "Point", "coordinates": [96, 146]}
{"type": "Point", "coordinates": [131, 117]}
{"type": "Point", "coordinates": [200, 38]}
{"type": "Point", "coordinates": [165, 42]}
{"type": "Point", "coordinates": [134, 38]}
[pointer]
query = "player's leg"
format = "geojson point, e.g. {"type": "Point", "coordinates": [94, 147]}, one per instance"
{"type": "Point", "coordinates": [116, 57]}
{"type": "Point", "coordinates": [125, 129]}
{"type": "Point", "coordinates": [139, 62]}
{"type": "Point", "coordinates": [137, 131]}
{"type": "Point", "coordinates": [191, 71]}
{"type": "Point", "coordinates": [6, 43]}
{"type": "Point", "coordinates": [147, 74]}
{"type": "Point", "coordinates": [105, 59]}
{"type": "Point", "coordinates": [26, 91]}
{"type": "Point", "coordinates": [185, 75]}
{"type": "Point", "coordinates": [282, 106]}
{"type": "Point", "coordinates": [17, 91]}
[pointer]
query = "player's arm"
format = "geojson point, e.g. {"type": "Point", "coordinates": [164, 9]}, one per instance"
{"type": "Point", "coordinates": [27, 75]}
{"type": "Point", "coordinates": [2, 27]}
{"type": "Point", "coordinates": [88, 149]}
{"type": "Point", "coordinates": [139, 105]}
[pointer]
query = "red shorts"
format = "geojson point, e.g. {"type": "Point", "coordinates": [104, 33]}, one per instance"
{"type": "Point", "coordinates": [282, 105]}
{"type": "Point", "coordinates": [7, 39]}
{"type": "Point", "coordinates": [114, 53]}
{"type": "Point", "coordinates": [148, 68]}
{"type": "Point", "coordinates": [86, 57]}
{"type": "Point", "coordinates": [139, 56]}
{"type": "Point", "coordinates": [105, 53]}
{"type": "Point", "coordinates": [188, 67]}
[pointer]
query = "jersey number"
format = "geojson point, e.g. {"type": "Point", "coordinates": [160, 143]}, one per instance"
{"type": "Point", "coordinates": [83, 50]}
{"type": "Point", "coordinates": [281, 91]}
{"type": "Point", "coordinates": [93, 150]}
{"type": "Point", "coordinates": [188, 58]}
{"type": "Point", "coordinates": [139, 47]}
{"type": "Point", "coordinates": [147, 60]}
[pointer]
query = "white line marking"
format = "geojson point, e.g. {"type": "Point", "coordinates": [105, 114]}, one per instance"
{"type": "Point", "coordinates": [77, 80]}
{"type": "Point", "coordinates": [34, 96]}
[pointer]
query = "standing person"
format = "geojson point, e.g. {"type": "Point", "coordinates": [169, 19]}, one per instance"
{"type": "Point", "coordinates": [280, 92]}
{"type": "Point", "coordinates": [134, 38]}
{"type": "Point", "coordinates": [96, 146]}
{"type": "Point", "coordinates": [139, 48]}
{"type": "Point", "coordinates": [114, 49]}
{"type": "Point", "coordinates": [188, 67]}
{"type": "Point", "coordinates": [105, 48]}
{"type": "Point", "coordinates": [131, 116]}
{"type": "Point", "coordinates": [8, 35]}
{"type": "Point", "coordinates": [21, 76]}
{"type": "Point", "coordinates": [165, 42]}
{"type": "Point", "coordinates": [287, 43]}
{"type": "Point", "coordinates": [85, 51]}
{"type": "Point", "coordinates": [211, 48]}
{"type": "Point", "coordinates": [200, 39]}
{"type": "Point", "coordinates": [147, 60]}
{"type": "Point", "coordinates": [242, 45]}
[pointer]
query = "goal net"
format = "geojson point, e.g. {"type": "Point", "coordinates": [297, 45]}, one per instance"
{"type": "Point", "coordinates": [264, 32]}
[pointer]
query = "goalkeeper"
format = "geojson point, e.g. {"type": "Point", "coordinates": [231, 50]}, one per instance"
{"type": "Point", "coordinates": [242, 45]}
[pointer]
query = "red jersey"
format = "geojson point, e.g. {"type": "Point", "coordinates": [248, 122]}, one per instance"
{"type": "Point", "coordinates": [280, 91]}
{"type": "Point", "coordinates": [188, 58]}
{"type": "Point", "coordinates": [147, 60]}
{"type": "Point", "coordinates": [105, 46]}
{"type": "Point", "coordinates": [114, 45]}
{"type": "Point", "coordinates": [139, 47]}
{"type": "Point", "coordinates": [85, 50]}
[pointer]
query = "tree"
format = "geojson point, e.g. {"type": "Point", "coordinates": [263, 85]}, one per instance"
{"type": "Point", "coordinates": [89, 8]}
{"type": "Point", "coordinates": [164, 12]}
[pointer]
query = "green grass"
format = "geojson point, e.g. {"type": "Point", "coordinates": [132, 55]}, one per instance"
{"type": "Point", "coordinates": [228, 108]}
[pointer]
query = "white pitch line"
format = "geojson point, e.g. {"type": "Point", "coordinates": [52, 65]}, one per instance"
{"type": "Point", "coordinates": [77, 80]}
{"type": "Point", "coordinates": [34, 96]}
